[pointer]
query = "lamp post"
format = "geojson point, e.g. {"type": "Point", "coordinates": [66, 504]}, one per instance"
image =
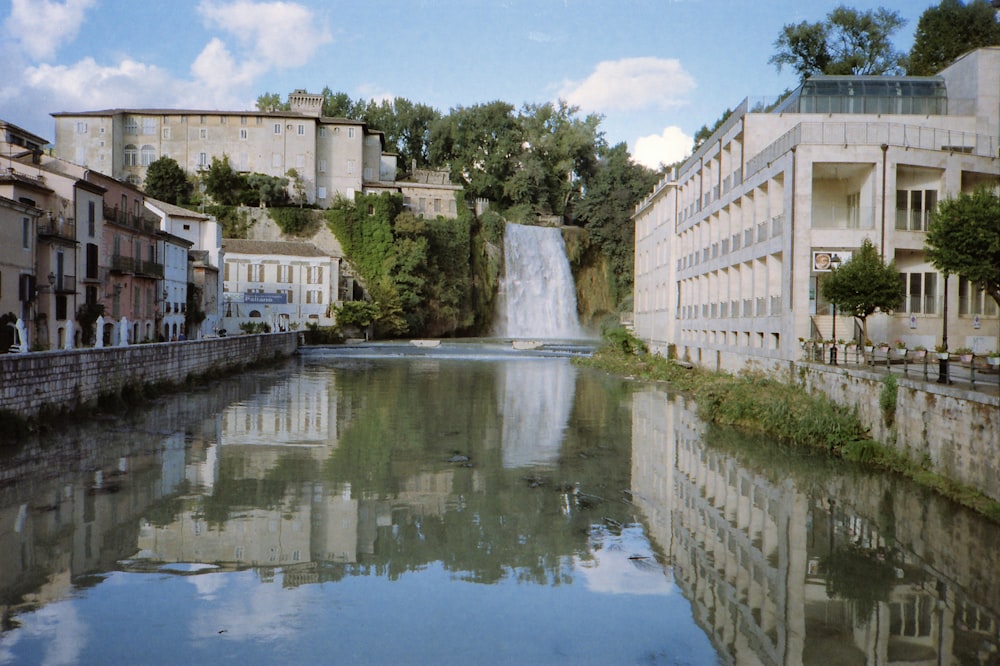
{"type": "Point", "coordinates": [834, 264]}
{"type": "Point", "coordinates": [943, 369]}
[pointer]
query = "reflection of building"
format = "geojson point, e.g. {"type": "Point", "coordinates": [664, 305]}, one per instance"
{"type": "Point", "coordinates": [756, 556]}
{"type": "Point", "coordinates": [301, 412]}
{"type": "Point", "coordinates": [731, 250]}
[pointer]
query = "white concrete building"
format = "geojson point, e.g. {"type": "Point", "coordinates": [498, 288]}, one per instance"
{"type": "Point", "coordinates": [284, 284]}
{"type": "Point", "coordinates": [732, 248]}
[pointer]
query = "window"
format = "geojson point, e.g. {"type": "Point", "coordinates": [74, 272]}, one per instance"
{"type": "Point", "coordinates": [149, 126]}
{"type": "Point", "coordinates": [166, 133]}
{"type": "Point", "coordinates": [276, 159]}
{"type": "Point", "coordinates": [255, 272]}
{"type": "Point", "coordinates": [81, 128]}
{"type": "Point", "coordinates": [243, 134]}
{"type": "Point", "coordinates": [367, 173]}
{"type": "Point", "coordinates": [284, 273]}
{"type": "Point", "coordinates": [277, 128]}
{"type": "Point", "coordinates": [203, 133]}
{"type": "Point", "coordinates": [920, 291]}
{"type": "Point", "coordinates": [131, 155]}
{"type": "Point", "coordinates": [302, 130]}
{"type": "Point", "coordinates": [315, 275]}
{"type": "Point", "coordinates": [202, 159]}
{"type": "Point", "coordinates": [350, 166]}
{"type": "Point", "coordinates": [91, 218]}
{"type": "Point", "coordinates": [243, 120]}
{"type": "Point", "coordinates": [260, 120]}
{"type": "Point", "coordinates": [314, 296]}
{"type": "Point", "coordinates": [222, 120]}
{"type": "Point", "coordinates": [287, 293]}
{"type": "Point", "coordinates": [322, 165]}
{"type": "Point", "coordinates": [201, 119]}
{"type": "Point", "coordinates": [972, 300]}
{"type": "Point", "coordinates": [26, 233]}
{"type": "Point", "coordinates": [321, 192]}
{"type": "Point", "coordinates": [915, 209]}
{"type": "Point", "coordinates": [131, 126]}
{"type": "Point", "coordinates": [147, 155]}
{"type": "Point", "coordinates": [350, 132]}
{"type": "Point", "coordinates": [322, 132]}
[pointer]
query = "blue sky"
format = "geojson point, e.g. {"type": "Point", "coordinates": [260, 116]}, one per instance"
{"type": "Point", "coordinates": [657, 70]}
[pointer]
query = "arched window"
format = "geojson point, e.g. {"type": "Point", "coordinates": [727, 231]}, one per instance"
{"type": "Point", "coordinates": [147, 155]}
{"type": "Point", "coordinates": [255, 314]}
{"type": "Point", "coordinates": [131, 155]}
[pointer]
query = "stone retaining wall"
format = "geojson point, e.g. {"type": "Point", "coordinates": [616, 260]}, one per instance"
{"type": "Point", "coordinates": [957, 430]}
{"type": "Point", "coordinates": [75, 378]}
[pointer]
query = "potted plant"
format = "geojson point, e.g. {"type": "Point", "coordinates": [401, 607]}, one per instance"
{"type": "Point", "coordinates": [993, 358]}
{"type": "Point", "coordinates": [868, 345]}
{"type": "Point", "coordinates": [942, 352]}
{"type": "Point", "coordinates": [964, 354]}
{"type": "Point", "coordinates": [899, 347]}
{"type": "Point", "coordinates": [920, 351]}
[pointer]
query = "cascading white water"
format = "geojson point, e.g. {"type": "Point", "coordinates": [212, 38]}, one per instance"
{"type": "Point", "coordinates": [537, 296]}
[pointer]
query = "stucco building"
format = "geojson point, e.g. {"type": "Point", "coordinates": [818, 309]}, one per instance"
{"type": "Point", "coordinates": [332, 156]}
{"type": "Point", "coordinates": [731, 248]}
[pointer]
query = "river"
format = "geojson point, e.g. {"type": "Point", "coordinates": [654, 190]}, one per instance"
{"type": "Point", "coordinates": [389, 504]}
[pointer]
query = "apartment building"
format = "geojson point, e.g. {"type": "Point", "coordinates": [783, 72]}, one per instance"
{"type": "Point", "coordinates": [332, 156]}
{"type": "Point", "coordinates": [283, 284]}
{"type": "Point", "coordinates": [731, 249]}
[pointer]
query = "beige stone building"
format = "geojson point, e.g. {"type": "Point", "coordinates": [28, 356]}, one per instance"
{"type": "Point", "coordinates": [332, 156]}
{"type": "Point", "coordinates": [732, 248]}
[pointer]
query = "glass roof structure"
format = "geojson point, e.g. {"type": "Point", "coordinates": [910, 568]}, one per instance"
{"type": "Point", "coordinates": [892, 95]}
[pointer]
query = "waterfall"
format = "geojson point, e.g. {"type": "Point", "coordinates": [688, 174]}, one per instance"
{"type": "Point", "coordinates": [537, 296]}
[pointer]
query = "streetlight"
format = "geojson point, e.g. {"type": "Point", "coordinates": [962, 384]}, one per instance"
{"type": "Point", "coordinates": [943, 369]}
{"type": "Point", "coordinates": [834, 265]}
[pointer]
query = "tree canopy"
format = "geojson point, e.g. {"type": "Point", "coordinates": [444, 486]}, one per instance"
{"type": "Point", "coordinates": [947, 31]}
{"type": "Point", "coordinates": [864, 284]}
{"type": "Point", "coordinates": [166, 181]}
{"type": "Point", "coordinates": [847, 42]}
{"type": "Point", "coordinates": [964, 238]}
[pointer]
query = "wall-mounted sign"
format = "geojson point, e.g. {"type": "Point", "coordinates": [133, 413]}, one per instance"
{"type": "Point", "coordinates": [263, 298]}
{"type": "Point", "coordinates": [825, 261]}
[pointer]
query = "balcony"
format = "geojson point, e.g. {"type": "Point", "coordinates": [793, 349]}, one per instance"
{"type": "Point", "coordinates": [122, 264]}
{"type": "Point", "coordinates": [60, 227]}
{"type": "Point", "coordinates": [123, 218]}
{"type": "Point", "coordinates": [148, 268]}
{"type": "Point", "coordinates": [65, 284]}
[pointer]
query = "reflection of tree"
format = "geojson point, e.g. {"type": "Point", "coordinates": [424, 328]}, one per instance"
{"type": "Point", "coordinates": [233, 490]}
{"type": "Point", "coordinates": [862, 576]}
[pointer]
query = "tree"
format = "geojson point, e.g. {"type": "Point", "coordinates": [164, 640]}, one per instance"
{"type": "Point", "coordinates": [223, 183]}
{"type": "Point", "coordinates": [166, 181]}
{"type": "Point", "coordinates": [272, 102]}
{"type": "Point", "coordinates": [964, 238]}
{"type": "Point", "coordinates": [848, 42]}
{"type": "Point", "coordinates": [949, 30]}
{"type": "Point", "coordinates": [617, 186]}
{"type": "Point", "coordinates": [864, 284]}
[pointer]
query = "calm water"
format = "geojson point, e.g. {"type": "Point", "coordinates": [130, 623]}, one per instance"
{"type": "Point", "coordinates": [390, 505]}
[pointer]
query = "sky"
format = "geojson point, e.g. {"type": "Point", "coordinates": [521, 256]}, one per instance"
{"type": "Point", "coordinates": [655, 70]}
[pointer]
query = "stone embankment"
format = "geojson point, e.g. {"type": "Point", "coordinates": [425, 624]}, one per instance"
{"type": "Point", "coordinates": [66, 381]}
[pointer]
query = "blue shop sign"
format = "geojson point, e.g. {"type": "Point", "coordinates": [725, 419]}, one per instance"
{"type": "Point", "coordinates": [258, 298]}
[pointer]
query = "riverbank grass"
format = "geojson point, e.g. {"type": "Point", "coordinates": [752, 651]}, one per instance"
{"type": "Point", "coordinates": [755, 402]}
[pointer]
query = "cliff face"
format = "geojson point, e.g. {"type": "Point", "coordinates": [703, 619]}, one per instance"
{"type": "Point", "coordinates": [595, 300]}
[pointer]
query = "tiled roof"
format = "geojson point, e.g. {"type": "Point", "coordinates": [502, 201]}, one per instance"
{"type": "Point", "coordinates": [272, 248]}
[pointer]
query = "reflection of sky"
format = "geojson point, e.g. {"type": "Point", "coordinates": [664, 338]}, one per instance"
{"type": "Point", "coordinates": [537, 400]}
{"type": "Point", "coordinates": [427, 616]}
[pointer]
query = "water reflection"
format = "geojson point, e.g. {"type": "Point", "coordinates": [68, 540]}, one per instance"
{"type": "Point", "coordinates": [527, 510]}
{"type": "Point", "coordinates": [792, 560]}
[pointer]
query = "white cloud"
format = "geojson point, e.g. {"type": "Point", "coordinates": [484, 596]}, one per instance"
{"type": "Point", "coordinates": [276, 34]}
{"type": "Point", "coordinates": [40, 26]}
{"type": "Point", "coordinates": [216, 67]}
{"type": "Point", "coordinates": [630, 84]}
{"type": "Point", "coordinates": [371, 91]}
{"type": "Point", "coordinates": [672, 145]}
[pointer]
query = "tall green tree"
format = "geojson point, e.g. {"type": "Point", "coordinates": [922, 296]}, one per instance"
{"type": "Point", "coordinates": [481, 144]}
{"type": "Point", "coordinates": [271, 102]}
{"type": "Point", "coordinates": [964, 238]}
{"type": "Point", "coordinates": [948, 30]}
{"type": "Point", "coordinates": [848, 42]}
{"type": "Point", "coordinates": [617, 185]}
{"type": "Point", "coordinates": [864, 284]}
{"type": "Point", "coordinates": [166, 181]}
{"type": "Point", "coordinates": [223, 183]}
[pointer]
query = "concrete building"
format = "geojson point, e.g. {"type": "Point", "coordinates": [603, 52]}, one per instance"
{"type": "Point", "coordinates": [283, 284]}
{"type": "Point", "coordinates": [732, 248]}
{"type": "Point", "coordinates": [332, 156]}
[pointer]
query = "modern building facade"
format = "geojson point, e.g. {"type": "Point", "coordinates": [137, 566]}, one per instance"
{"type": "Point", "coordinates": [731, 249]}
{"type": "Point", "coordinates": [331, 156]}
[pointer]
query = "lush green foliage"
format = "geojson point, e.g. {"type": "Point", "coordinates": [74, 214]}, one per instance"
{"type": "Point", "coordinates": [295, 221]}
{"type": "Point", "coordinates": [86, 315]}
{"type": "Point", "coordinates": [253, 327]}
{"type": "Point", "coordinates": [417, 270]}
{"type": "Point", "coordinates": [356, 313]}
{"type": "Point", "coordinates": [848, 42]}
{"type": "Point", "coordinates": [228, 187]}
{"type": "Point", "coordinates": [166, 181]}
{"type": "Point", "coordinates": [947, 31]}
{"type": "Point", "coordinates": [864, 284]}
{"type": "Point", "coordinates": [887, 398]}
{"type": "Point", "coordinates": [964, 238]}
{"type": "Point", "coordinates": [235, 223]}
{"type": "Point", "coordinates": [617, 185]}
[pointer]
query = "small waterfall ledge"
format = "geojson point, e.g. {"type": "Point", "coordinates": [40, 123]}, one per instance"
{"type": "Point", "coordinates": [537, 296]}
